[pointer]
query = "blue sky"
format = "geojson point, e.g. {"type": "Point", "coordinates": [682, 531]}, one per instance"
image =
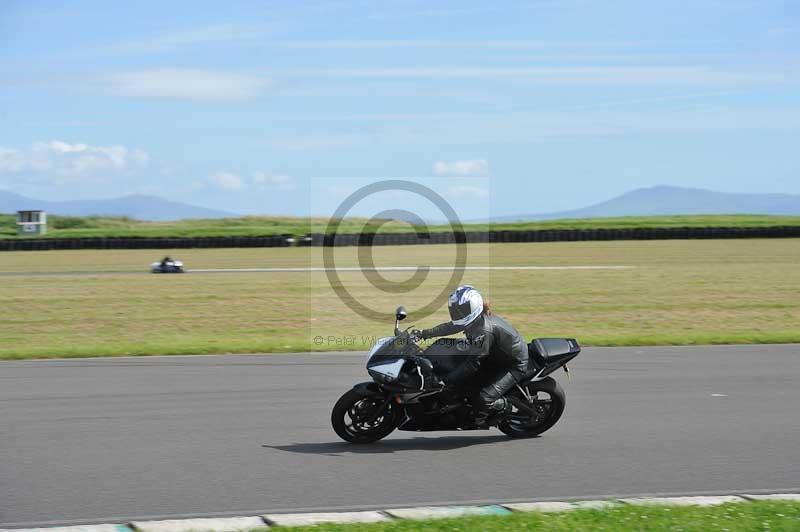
{"type": "Point", "coordinates": [502, 108]}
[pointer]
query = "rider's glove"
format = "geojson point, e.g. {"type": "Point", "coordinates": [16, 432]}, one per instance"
{"type": "Point", "coordinates": [417, 333]}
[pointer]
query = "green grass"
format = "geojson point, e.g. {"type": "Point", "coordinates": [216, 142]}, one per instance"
{"type": "Point", "coordinates": [733, 517]}
{"type": "Point", "coordinates": [104, 226]}
{"type": "Point", "coordinates": [677, 293]}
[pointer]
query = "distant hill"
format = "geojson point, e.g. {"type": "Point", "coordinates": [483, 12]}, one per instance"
{"type": "Point", "coordinates": [140, 207]}
{"type": "Point", "coordinates": [667, 200]}
{"type": "Point", "coordinates": [654, 201]}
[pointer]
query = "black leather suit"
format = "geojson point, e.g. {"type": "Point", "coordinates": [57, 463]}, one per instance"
{"type": "Point", "coordinates": [494, 344]}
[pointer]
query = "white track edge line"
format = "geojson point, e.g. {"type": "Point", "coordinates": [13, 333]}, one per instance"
{"type": "Point", "coordinates": [406, 269]}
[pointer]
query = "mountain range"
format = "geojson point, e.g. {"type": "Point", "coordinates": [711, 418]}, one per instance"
{"type": "Point", "coordinates": [137, 206]}
{"type": "Point", "coordinates": [658, 200]}
{"type": "Point", "coordinates": [668, 200]}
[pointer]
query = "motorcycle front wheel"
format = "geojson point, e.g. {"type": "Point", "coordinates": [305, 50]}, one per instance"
{"type": "Point", "coordinates": [536, 410]}
{"type": "Point", "coordinates": [359, 418]}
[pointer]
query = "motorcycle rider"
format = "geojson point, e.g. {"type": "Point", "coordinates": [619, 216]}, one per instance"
{"type": "Point", "coordinates": [493, 343]}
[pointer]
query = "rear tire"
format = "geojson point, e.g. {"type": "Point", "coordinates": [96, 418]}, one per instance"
{"type": "Point", "coordinates": [352, 411]}
{"type": "Point", "coordinates": [548, 402]}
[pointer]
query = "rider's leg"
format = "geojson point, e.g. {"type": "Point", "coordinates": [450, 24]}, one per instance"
{"type": "Point", "coordinates": [490, 398]}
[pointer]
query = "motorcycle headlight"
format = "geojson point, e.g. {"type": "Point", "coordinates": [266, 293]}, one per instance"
{"type": "Point", "coordinates": [389, 370]}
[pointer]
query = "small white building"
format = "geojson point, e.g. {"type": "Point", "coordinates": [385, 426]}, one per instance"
{"type": "Point", "coordinates": [31, 223]}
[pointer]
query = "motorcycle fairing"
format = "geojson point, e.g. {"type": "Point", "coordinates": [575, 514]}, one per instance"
{"type": "Point", "coordinates": [388, 369]}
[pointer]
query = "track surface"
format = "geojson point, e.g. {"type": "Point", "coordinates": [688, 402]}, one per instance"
{"type": "Point", "coordinates": [113, 439]}
{"type": "Point", "coordinates": [310, 269]}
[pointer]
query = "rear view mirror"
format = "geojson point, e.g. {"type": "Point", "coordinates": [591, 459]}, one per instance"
{"type": "Point", "coordinates": [400, 313]}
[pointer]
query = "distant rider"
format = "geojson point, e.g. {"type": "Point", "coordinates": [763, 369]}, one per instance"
{"type": "Point", "coordinates": [495, 345]}
{"type": "Point", "coordinates": [166, 260]}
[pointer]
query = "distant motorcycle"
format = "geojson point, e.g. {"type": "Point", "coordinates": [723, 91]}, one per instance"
{"type": "Point", "coordinates": [406, 393]}
{"type": "Point", "coordinates": [167, 266]}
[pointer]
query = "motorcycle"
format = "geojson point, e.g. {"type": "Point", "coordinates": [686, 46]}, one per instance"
{"type": "Point", "coordinates": [169, 266]}
{"type": "Point", "coordinates": [406, 392]}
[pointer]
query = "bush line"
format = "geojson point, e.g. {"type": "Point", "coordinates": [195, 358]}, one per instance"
{"type": "Point", "coordinates": [393, 239]}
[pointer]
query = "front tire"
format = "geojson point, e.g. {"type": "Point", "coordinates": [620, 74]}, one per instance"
{"type": "Point", "coordinates": [547, 402]}
{"type": "Point", "coordinates": [352, 413]}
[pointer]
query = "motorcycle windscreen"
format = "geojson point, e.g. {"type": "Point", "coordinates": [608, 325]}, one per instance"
{"type": "Point", "coordinates": [391, 348]}
{"type": "Point", "coordinates": [380, 349]}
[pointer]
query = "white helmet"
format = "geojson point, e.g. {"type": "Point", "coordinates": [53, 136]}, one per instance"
{"type": "Point", "coordinates": [465, 305]}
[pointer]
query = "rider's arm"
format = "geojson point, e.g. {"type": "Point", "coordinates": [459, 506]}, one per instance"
{"type": "Point", "coordinates": [443, 329]}
{"type": "Point", "coordinates": [479, 349]}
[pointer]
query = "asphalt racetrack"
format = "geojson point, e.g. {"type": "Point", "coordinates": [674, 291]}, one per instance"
{"type": "Point", "coordinates": [320, 269]}
{"type": "Point", "coordinates": [105, 440]}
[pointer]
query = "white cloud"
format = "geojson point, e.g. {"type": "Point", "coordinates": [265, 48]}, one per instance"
{"type": "Point", "coordinates": [644, 75]}
{"type": "Point", "coordinates": [60, 162]}
{"type": "Point", "coordinates": [268, 181]}
{"type": "Point", "coordinates": [472, 167]}
{"type": "Point", "coordinates": [481, 44]}
{"type": "Point", "coordinates": [11, 160]}
{"type": "Point", "coordinates": [227, 181]}
{"type": "Point", "coordinates": [188, 38]}
{"type": "Point", "coordinates": [187, 84]}
{"type": "Point", "coordinates": [232, 182]}
{"type": "Point", "coordinates": [315, 142]}
{"type": "Point", "coordinates": [462, 191]}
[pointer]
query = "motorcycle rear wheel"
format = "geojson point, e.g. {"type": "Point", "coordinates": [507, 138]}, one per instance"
{"type": "Point", "coordinates": [548, 401]}
{"type": "Point", "coordinates": [351, 417]}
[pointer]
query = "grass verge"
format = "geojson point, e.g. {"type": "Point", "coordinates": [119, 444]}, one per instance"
{"type": "Point", "coordinates": [771, 516]}
{"type": "Point", "coordinates": [111, 226]}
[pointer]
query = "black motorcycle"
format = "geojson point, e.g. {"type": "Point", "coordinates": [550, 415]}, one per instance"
{"type": "Point", "coordinates": [407, 394]}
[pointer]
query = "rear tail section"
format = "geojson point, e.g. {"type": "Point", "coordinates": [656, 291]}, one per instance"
{"type": "Point", "coordinates": [548, 354]}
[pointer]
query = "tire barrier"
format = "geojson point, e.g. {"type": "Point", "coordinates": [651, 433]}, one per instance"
{"type": "Point", "coordinates": [401, 239]}
{"type": "Point", "coordinates": [42, 244]}
{"type": "Point", "coordinates": [551, 235]}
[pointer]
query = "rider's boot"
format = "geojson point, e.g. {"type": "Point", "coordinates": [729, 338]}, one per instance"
{"type": "Point", "coordinates": [492, 413]}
